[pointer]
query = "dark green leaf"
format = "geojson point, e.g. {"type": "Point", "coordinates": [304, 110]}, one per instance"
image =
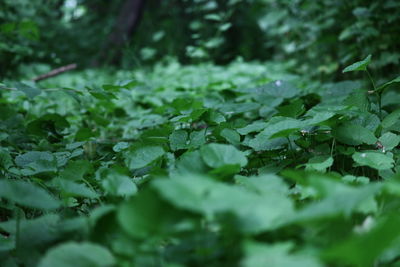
{"type": "Point", "coordinates": [27, 194]}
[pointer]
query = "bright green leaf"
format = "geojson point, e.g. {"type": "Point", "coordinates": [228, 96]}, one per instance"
{"type": "Point", "coordinates": [359, 66]}
{"type": "Point", "coordinates": [276, 255]}
{"type": "Point", "coordinates": [117, 184]}
{"type": "Point", "coordinates": [319, 163]}
{"type": "Point", "coordinates": [389, 141]}
{"type": "Point", "coordinates": [218, 155]}
{"type": "Point", "coordinates": [143, 156]}
{"type": "Point", "coordinates": [373, 159]}
{"type": "Point", "coordinates": [73, 254]}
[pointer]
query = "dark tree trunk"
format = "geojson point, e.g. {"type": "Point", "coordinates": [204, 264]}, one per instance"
{"type": "Point", "coordinates": [128, 19]}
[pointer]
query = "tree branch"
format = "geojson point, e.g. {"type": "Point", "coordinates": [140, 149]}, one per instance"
{"type": "Point", "coordinates": [55, 72]}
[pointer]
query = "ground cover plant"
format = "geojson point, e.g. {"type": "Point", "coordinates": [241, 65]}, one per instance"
{"type": "Point", "coordinates": [243, 165]}
{"type": "Point", "coordinates": [199, 133]}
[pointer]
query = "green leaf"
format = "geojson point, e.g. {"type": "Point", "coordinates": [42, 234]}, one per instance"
{"type": "Point", "coordinates": [35, 162]}
{"type": "Point", "coordinates": [276, 255]}
{"type": "Point", "coordinates": [320, 117]}
{"type": "Point", "coordinates": [120, 146]}
{"type": "Point", "coordinates": [144, 216]}
{"type": "Point", "coordinates": [259, 143]}
{"type": "Point", "coordinates": [278, 89]}
{"type": "Point", "coordinates": [263, 184]}
{"type": "Point", "coordinates": [365, 249]}
{"type": "Point", "coordinates": [71, 188]}
{"type": "Point", "coordinates": [27, 194]}
{"type": "Point", "coordinates": [282, 128]}
{"type": "Point", "coordinates": [292, 110]}
{"type": "Point", "coordinates": [191, 162]}
{"type": "Point", "coordinates": [279, 127]}
{"type": "Point", "coordinates": [75, 254]}
{"type": "Point", "coordinates": [5, 159]}
{"type": "Point", "coordinates": [359, 66]}
{"type": "Point", "coordinates": [389, 141]}
{"type": "Point", "coordinates": [337, 199]}
{"type": "Point", "coordinates": [143, 156]}
{"type": "Point", "coordinates": [319, 163]}
{"type": "Point", "coordinates": [231, 136]}
{"type": "Point", "coordinates": [48, 126]}
{"type": "Point", "coordinates": [215, 17]}
{"type": "Point", "coordinates": [30, 91]}
{"type": "Point", "coordinates": [255, 211]}
{"type": "Point", "coordinates": [391, 119]}
{"type": "Point", "coordinates": [218, 155]}
{"type": "Point", "coordinates": [34, 233]}
{"type": "Point", "coordinates": [76, 170]}
{"type": "Point", "coordinates": [358, 99]}
{"type": "Point", "coordinates": [197, 138]}
{"type": "Point", "coordinates": [385, 85]}
{"type": "Point", "coordinates": [256, 126]}
{"type": "Point", "coordinates": [6, 245]}
{"type": "Point", "coordinates": [354, 134]}
{"type": "Point", "coordinates": [178, 140]}
{"type": "Point", "coordinates": [117, 184]}
{"type": "Point", "coordinates": [373, 159]}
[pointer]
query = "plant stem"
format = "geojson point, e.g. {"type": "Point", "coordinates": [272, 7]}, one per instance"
{"type": "Point", "coordinates": [332, 147]}
{"type": "Point", "coordinates": [17, 227]}
{"type": "Point", "coordinates": [372, 80]}
{"type": "Point", "coordinates": [377, 94]}
{"type": "Point", "coordinates": [291, 149]}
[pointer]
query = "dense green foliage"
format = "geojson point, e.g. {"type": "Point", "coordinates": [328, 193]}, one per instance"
{"type": "Point", "coordinates": [217, 133]}
{"type": "Point", "coordinates": [241, 165]}
{"type": "Point", "coordinates": [318, 38]}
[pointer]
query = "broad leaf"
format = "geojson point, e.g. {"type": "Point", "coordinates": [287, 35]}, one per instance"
{"type": "Point", "coordinates": [364, 249]}
{"type": "Point", "coordinates": [34, 233]}
{"type": "Point", "coordinates": [143, 156]}
{"type": "Point", "coordinates": [75, 254]}
{"type": "Point", "coordinates": [117, 184]}
{"type": "Point", "coordinates": [218, 155]}
{"type": "Point", "coordinates": [276, 255]}
{"type": "Point", "coordinates": [231, 136]}
{"type": "Point", "coordinates": [27, 194]}
{"type": "Point", "coordinates": [353, 134]}
{"type": "Point", "coordinates": [375, 160]}
{"type": "Point", "coordinates": [255, 211]}
{"type": "Point", "coordinates": [179, 140]}
{"type": "Point", "coordinates": [319, 163]}
{"type": "Point", "coordinates": [385, 85]}
{"type": "Point", "coordinates": [391, 119]}
{"type": "Point", "coordinates": [71, 188]}
{"type": "Point", "coordinates": [35, 162]}
{"type": "Point", "coordinates": [145, 216]}
{"type": "Point", "coordinates": [389, 141]}
{"type": "Point", "coordinates": [338, 199]}
{"type": "Point", "coordinates": [253, 127]}
{"type": "Point", "coordinates": [359, 66]}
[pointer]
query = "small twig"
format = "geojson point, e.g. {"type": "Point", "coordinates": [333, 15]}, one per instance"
{"type": "Point", "coordinates": [55, 72]}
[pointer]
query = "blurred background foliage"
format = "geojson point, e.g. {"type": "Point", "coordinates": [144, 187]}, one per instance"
{"type": "Point", "coordinates": [317, 38]}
